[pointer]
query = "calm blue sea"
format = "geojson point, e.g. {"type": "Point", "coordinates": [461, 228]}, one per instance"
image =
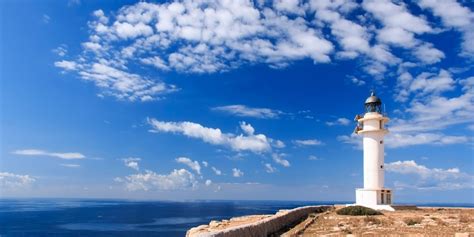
{"type": "Point", "coordinates": [68, 217]}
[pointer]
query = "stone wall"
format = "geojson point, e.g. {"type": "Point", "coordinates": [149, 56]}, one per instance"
{"type": "Point", "coordinates": [272, 225]}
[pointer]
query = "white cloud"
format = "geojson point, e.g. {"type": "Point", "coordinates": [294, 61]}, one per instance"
{"type": "Point", "coordinates": [216, 171]}
{"type": "Point", "coordinates": [453, 14]}
{"type": "Point", "coordinates": [431, 178]}
{"type": "Point", "coordinates": [60, 50]}
{"type": "Point", "coordinates": [357, 81]}
{"type": "Point", "coordinates": [396, 16]}
{"type": "Point", "coordinates": [36, 152]}
{"type": "Point", "coordinates": [177, 179]}
{"type": "Point", "coordinates": [66, 65]}
{"type": "Point", "coordinates": [244, 111]}
{"type": "Point", "coordinates": [208, 182]}
{"type": "Point", "coordinates": [10, 180]}
{"type": "Point", "coordinates": [116, 82]}
{"type": "Point", "coordinates": [431, 83]}
{"type": "Point", "coordinates": [395, 140]}
{"type": "Point", "coordinates": [126, 30]}
{"type": "Point", "coordinates": [237, 173]}
{"type": "Point", "coordinates": [194, 165]}
{"type": "Point", "coordinates": [247, 128]}
{"type": "Point", "coordinates": [278, 144]}
{"type": "Point", "coordinates": [278, 158]}
{"type": "Point", "coordinates": [71, 165]}
{"type": "Point", "coordinates": [194, 37]}
{"type": "Point", "coordinates": [205, 163]}
{"type": "Point", "coordinates": [308, 142]}
{"type": "Point", "coordinates": [214, 36]}
{"type": "Point", "coordinates": [290, 6]}
{"type": "Point", "coordinates": [269, 168]}
{"type": "Point", "coordinates": [428, 54]}
{"type": "Point", "coordinates": [429, 110]}
{"type": "Point", "coordinates": [339, 121]}
{"type": "Point", "coordinates": [353, 139]}
{"type": "Point", "coordinates": [313, 157]}
{"type": "Point", "coordinates": [132, 162]}
{"type": "Point", "coordinates": [248, 142]}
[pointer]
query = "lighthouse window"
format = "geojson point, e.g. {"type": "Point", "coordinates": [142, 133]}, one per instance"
{"type": "Point", "coordinates": [381, 198]}
{"type": "Point", "coordinates": [381, 142]}
{"type": "Point", "coordinates": [381, 167]}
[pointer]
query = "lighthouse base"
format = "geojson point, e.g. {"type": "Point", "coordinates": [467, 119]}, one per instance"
{"type": "Point", "coordinates": [378, 199]}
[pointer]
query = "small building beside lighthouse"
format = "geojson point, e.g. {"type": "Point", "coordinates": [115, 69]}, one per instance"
{"type": "Point", "coordinates": [371, 126]}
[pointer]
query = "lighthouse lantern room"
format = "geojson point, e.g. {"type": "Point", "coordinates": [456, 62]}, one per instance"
{"type": "Point", "coordinates": [371, 127]}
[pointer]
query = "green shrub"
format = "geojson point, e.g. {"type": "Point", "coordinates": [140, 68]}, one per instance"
{"type": "Point", "coordinates": [358, 211]}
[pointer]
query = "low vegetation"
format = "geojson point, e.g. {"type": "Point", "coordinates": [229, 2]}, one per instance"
{"type": "Point", "coordinates": [358, 211]}
{"type": "Point", "coordinates": [413, 221]}
{"type": "Point", "coordinates": [372, 220]}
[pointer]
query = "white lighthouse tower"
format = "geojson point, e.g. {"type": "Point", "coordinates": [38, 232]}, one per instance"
{"type": "Point", "coordinates": [372, 128]}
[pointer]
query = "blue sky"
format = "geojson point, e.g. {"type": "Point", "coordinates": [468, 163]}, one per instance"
{"type": "Point", "coordinates": [233, 99]}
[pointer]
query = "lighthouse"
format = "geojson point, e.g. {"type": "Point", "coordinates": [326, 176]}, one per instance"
{"type": "Point", "coordinates": [371, 126]}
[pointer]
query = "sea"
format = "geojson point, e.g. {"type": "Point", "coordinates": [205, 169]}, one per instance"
{"type": "Point", "coordinates": [74, 217]}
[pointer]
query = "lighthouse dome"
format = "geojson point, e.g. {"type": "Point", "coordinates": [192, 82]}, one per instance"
{"type": "Point", "coordinates": [373, 104]}
{"type": "Point", "coordinates": [373, 99]}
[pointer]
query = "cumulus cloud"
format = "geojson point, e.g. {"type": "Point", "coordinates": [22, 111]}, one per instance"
{"type": "Point", "coordinates": [10, 180]}
{"type": "Point", "coordinates": [339, 121]}
{"type": "Point", "coordinates": [193, 165]}
{"type": "Point", "coordinates": [278, 144]}
{"type": "Point", "coordinates": [245, 111]}
{"type": "Point", "coordinates": [308, 142]}
{"type": "Point", "coordinates": [149, 180]}
{"type": "Point", "coordinates": [454, 15]}
{"type": "Point", "coordinates": [36, 152]}
{"type": "Point", "coordinates": [214, 36]}
{"type": "Point", "coordinates": [132, 162]}
{"type": "Point", "coordinates": [396, 18]}
{"type": "Point", "coordinates": [244, 142]}
{"type": "Point", "coordinates": [430, 110]}
{"type": "Point", "coordinates": [216, 171]}
{"type": "Point", "coordinates": [279, 159]}
{"type": "Point", "coordinates": [431, 178]}
{"type": "Point", "coordinates": [237, 173]}
{"type": "Point", "coordinates": [208, 182]}
{"type": "Point", "coordinates": [116, 82]}
{"type": "Point", "coordinates": [60, 50]}
{"type": "Point", "coordinates": [269, 168]}
{"type": "Point", "coordinates": [428, 54]}
{"type": "Point", "coordinates": [356, 81]}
